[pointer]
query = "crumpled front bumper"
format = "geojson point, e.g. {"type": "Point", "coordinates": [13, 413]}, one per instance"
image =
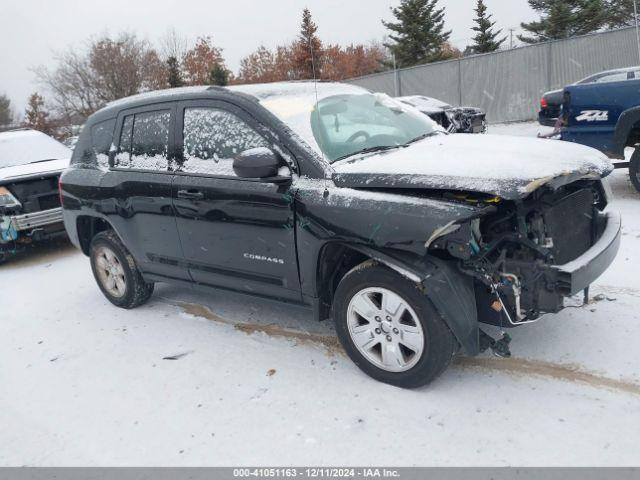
{"type": "Point", "coordinates": [29, 221]}
{"type": "Point", "coordinates": [575, 276]}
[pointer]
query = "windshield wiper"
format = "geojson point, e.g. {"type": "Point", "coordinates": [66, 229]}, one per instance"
{"type": "Point", "coordinates": [379, 148]}
{"type": "Point", "coordinates": [422, 137]}
{"type": "Point", "coordinates": [45, 160]}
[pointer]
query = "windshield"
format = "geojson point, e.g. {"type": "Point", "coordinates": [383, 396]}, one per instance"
{"type": "Point", "coordinates": [20, 147]}
{"type": "Point", "coordinates": [344, 125]}
{"type": "Point", "coordinates": [339, 120]}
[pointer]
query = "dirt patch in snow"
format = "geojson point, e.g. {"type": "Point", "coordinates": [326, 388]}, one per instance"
{"type": "Point", "coordinates": [633, 292]}
{"type": "Point", "coordinates": [331, 344]}
{"type": "Point", "coordinates": [513, 366]}
{"type": "Point", "coordinates": [563, 372]}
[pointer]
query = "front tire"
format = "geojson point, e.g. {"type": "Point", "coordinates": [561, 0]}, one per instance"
{"type": "Point", "coordinates": [634, 169]}
{"type": "Point", "coordinates": [116, 272]}
{"type": "Point", "coordinates": [389, 328]}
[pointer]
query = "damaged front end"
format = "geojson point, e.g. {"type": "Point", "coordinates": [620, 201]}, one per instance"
{"type": "Point", "coordinates": [29, 211]}
{"type": "Point", "coordinates": [528, 255]}
{"type": "Point", "coordinates": [466, 120]}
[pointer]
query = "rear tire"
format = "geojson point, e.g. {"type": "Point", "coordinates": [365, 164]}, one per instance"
{"type": "Point", "coordinates": [116, 272]}
{"type": "Point", "coordinates": [634, 169]}
{"type": "Point", "coordinates": [389, 328]}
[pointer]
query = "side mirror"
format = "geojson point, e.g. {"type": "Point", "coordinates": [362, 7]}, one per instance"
{"type": "Point", "coordinates": [258, 162]}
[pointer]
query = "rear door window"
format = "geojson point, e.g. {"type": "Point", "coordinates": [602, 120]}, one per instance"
{"type": "Point", "coordinates": [213, 137]}
{"type": "Point", "coordinates": [123, 156]}
{"type": "Point", "coordinates": [144, 141]}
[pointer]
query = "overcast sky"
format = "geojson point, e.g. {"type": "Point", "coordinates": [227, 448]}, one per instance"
{"type": "Point", "coordinates": [32, 31]}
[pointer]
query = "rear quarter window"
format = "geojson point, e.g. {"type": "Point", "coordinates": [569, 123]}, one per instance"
{"type": "Point", "coordinates": [93, 144]}
{"type": "Point", "coordinates": [101, 140]}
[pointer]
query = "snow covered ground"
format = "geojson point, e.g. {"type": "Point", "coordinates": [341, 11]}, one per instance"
{"type": "Point", "coordinates": [211, 379]}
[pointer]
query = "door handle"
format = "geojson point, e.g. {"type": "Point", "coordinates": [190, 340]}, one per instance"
{"type": "Point", "coordinates": [190, 194]}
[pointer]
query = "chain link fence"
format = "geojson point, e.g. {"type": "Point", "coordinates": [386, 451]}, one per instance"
{"type": "Point", "coordinates": [508, 84]}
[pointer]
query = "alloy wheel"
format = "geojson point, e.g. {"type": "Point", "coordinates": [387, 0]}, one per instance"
{"type": "Point", "coordinates": [385, 329]}
{"type": "Point", "coordinates": [110, 272]}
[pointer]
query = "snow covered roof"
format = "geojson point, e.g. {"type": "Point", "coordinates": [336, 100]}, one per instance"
{"type": "Point", "coordinates": [158, 95]}
{"type": "Point", "coordinates": [422, 102]}
{"type": "Point", "coordinates": [18, 147]}
{"type": "Point", "coordinates": [305, 89]}
{"type": "Point", "coordinates": [590, 78]}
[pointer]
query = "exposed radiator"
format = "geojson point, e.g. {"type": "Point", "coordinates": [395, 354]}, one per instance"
{"type": "Point", "coordinates": [569, 223]}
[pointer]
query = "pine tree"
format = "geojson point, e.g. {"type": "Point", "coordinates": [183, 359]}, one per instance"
{"type": "Point", "coordinates": [564, 19]}
{"type": "Point", "coordinates": [307, 50]}
{"type": "Point", "coordinates": [218, 75]}
{"type": "Point", "coordinates": [486, 39]}
{"type": "Point", "coordinates": [418, 35]}
{"type": "Point", "coordinates": [6, 116]}
{"type": "Point", "coordinates": [36, 115]}
{"type": "Point", "coordinates": [620, 13]}
{"type": "Point", "coordinates": [174, 73]}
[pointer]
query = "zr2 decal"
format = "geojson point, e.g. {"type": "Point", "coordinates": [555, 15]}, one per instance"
{"type": "Point", "coordinates": [593, 116]}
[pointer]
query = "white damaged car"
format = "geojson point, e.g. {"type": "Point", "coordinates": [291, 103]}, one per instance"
{"type": "Point", "coordinates": [30, 167]}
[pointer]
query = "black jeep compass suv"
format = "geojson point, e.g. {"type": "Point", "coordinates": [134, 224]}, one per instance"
{"type": "Point", "coordinates": [348, 202]}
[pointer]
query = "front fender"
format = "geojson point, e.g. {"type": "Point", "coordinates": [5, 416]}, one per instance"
{"type": "Point", "coordinates": [451, 292]}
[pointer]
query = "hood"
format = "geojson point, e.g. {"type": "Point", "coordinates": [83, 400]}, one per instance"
{"type": "Point", "coordinates": [509, 167]}
{"type": "Point", "coordinates": [18, 172]}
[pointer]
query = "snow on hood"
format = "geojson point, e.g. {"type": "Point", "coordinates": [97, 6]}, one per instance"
{"type": "Point", "coordinates": [20, 148]}
{"type": "Point", "coordinates": [510, 167]}
{"type": "Point", "coordinates": [33, 169]}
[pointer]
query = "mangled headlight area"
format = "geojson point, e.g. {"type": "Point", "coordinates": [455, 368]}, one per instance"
{"type": "Point", "coordinates": [8, 204]}
{"type": "Point", "coordinates": [466, 120]}
{"type": "Point", "coordinates": [507, 277]}
{"type": "Point", "coordinates": [510, 251]}
{"type": "Point", "coordinates": [7, 199]}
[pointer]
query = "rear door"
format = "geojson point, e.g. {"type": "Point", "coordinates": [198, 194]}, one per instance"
{"type": "Point", "coordinates": [235, 233]}
{"type": "Point", "coordinates": [137, 189]}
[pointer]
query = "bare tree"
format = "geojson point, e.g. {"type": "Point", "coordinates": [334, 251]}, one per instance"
{"type": "Point", "coordinates": [173, 44]}
{"type": "Point", "coordinates": [109, 69]}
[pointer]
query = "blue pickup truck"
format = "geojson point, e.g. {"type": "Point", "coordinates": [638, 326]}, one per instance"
{"type": "Point", "coordinates": [606, 116]}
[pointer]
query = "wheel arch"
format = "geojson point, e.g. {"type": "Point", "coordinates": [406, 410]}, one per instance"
{"type": "Point", "coordinates": [87, 227]}
{"type": "Point", "coordinates": [451, 292]}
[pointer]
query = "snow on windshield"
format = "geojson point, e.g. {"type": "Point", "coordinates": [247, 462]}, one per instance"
{"type": "Point", "coordinates": [27, 146]}
{"type": "Point", "coordinates": [293, 102]}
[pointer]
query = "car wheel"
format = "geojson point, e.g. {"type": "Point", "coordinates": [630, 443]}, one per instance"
{"type": "Point", "coordinates": [116, 272]}
{"type": "Point", "coordinates": [634, 169]}
{"type": "Point", "coordinates": [389, 328]}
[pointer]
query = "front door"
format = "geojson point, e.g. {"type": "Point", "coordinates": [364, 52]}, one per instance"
{"type": "Point", "coordinates": [235, 233]}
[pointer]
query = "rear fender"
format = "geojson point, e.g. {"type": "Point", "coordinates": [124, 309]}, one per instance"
{"type": "Point", "coordinates": [451, 292]}
{"type": "Point", "coordinates": [629, 120]}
